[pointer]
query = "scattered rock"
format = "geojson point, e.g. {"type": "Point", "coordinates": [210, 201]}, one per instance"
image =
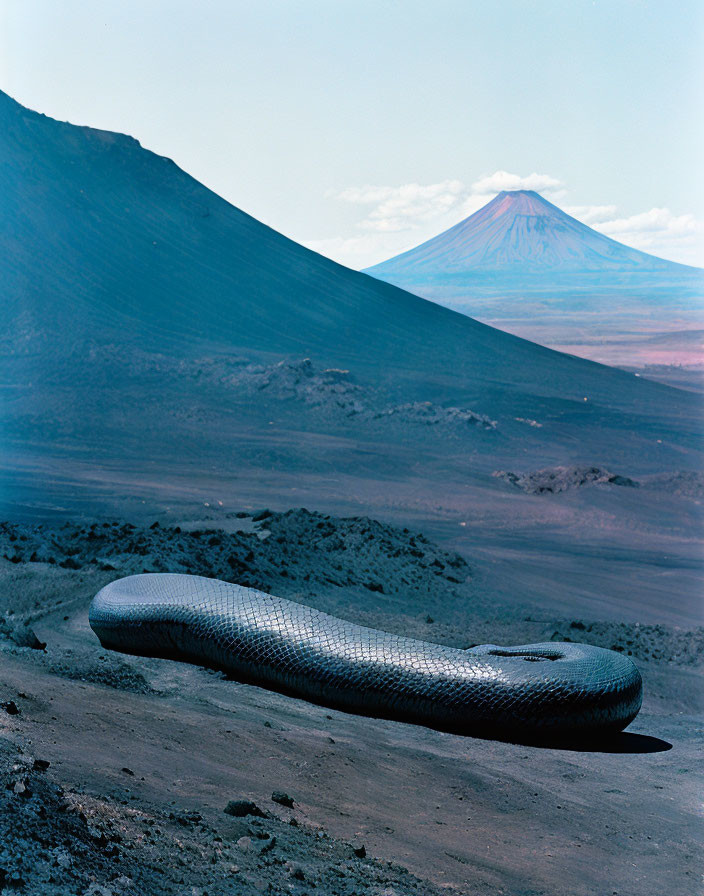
{"type": "Point", "coordinates": [19, 633]}
{"type": "Point", "coordinates": [11, 708]}
{"type": "Point", "coordinates": [24, 636]}
{"type": "Point", "coordinates": [374, 586]}
{"type": "Point", "coordinates": [97, 835]}
{"type": "Point", "coordinates": [268, 846]}
{"type": "Point", "coordinates": [69, 563]}
{"type": "Point", "coordinates": [328, 390]}
{"type": "Point", "coordinates": [283, 799]}
{"type": "Point", "coordinates": [243, 808]}
{"type": "Point", "coordinates": [11, 880]}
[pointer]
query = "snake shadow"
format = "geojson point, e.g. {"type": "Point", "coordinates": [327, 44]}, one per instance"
{"type": "Point", "coordinates": [625, 742]}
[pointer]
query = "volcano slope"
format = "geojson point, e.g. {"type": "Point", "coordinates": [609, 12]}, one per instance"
{"type": "Point", "coordinates": [523, 264]}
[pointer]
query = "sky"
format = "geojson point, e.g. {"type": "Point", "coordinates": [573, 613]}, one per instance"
{"type": "Point", "coordinates": [363, 128]}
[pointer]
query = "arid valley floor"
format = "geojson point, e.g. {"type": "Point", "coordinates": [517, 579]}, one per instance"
{"type": "Point", "coordinates": [117, 770]}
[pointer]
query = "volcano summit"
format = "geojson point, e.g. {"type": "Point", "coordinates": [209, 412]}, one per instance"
{"type": "Point", "coordinates": [518, 232]}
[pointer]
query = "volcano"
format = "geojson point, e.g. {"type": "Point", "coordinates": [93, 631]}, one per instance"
{"type": "Point", "coordinates": [520, 232]}
{"type": "Point", "coordinates": [522, 264]}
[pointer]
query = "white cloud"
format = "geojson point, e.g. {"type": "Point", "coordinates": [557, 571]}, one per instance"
{"type": "Point", "coordinates": [403, 208]}
{"type": "Point", "coordinates": [591, 214]}
{"type": "Point", "coordinates": [362, 251]}
{"type": "Point", "coordinates": [660, 232]}
{"type": "Point", "coordinates": [657, 220]}
{"type": "Point", "coordinates": [400, 208]}
{"type": "Point", "coordinates": [504, 180]}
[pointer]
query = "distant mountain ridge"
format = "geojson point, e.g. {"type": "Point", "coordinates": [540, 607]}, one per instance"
{"type": "Point", "coordinates": [520, 232]}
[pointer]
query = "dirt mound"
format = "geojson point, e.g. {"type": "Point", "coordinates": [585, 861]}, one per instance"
{"type": "Point", "coordinates": [553, 480]}
{"type": "Point", "coordinates": [428, 414]}
{"type": "Point", "coordinates": [106, 669]}
{"type": "Point", "coordinates": [661, 643]}
{"type": "Point", "coordinates": [296, 550]}
{"type": "Point", "coordinates": [302, 381]}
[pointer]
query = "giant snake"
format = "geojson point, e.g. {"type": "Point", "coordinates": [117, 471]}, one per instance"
{"type": "Point", "coordinates": [537, 691]}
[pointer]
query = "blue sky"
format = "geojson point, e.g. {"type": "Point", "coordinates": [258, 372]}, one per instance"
{"type": "Point", "coordinates": [362, 128]}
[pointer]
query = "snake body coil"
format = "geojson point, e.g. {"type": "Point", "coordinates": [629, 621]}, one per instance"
{"type": "Point", "coordinates": [534, 691]}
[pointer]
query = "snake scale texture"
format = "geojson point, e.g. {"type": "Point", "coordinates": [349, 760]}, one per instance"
{"type": "Point", "coordinates": [521, 693]}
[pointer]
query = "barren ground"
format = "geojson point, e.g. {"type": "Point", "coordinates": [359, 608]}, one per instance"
{"type": "Point", "coordinates": [144, 754]}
